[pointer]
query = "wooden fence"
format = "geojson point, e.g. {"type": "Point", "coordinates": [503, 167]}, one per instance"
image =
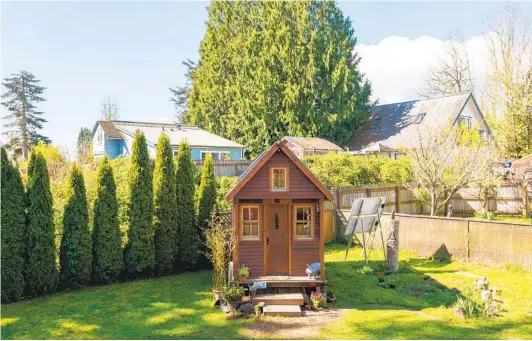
{"type": "Point", "coordinates": [228, 167]}
{"type": "Point", "coordinates": [509, 198]}
{"type": "Point", "coordinates": [479, 241]}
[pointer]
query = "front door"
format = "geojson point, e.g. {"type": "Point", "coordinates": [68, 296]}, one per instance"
{"type": "Point", "coordinates": [277, 239]}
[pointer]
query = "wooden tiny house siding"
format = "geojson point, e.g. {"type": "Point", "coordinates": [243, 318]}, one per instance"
{"type": "Point", "coordinates": [299, 185]}
{"type": "Point", "coordinates": [306, 252]}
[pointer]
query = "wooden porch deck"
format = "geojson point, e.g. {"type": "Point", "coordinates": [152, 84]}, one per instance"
{"type": "Point", "coordinates": [286, 281]}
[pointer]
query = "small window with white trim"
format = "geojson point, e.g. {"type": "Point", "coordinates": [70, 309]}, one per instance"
{"type": "Point", "coordinates": [303, 222]}
{"type": "Point", "coordinates": [279, 179]}
{"type": "Point", "coordinates": [215, 155]}
{"type": "Point", "coordinates": [250, 222]}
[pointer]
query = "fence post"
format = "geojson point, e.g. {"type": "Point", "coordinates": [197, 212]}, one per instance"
{"type": "Point", "coordinates": [524, 196]}
{"type": "Point", "coordinates": [468, 241]}
{"type": "Point", "coordinates": [397, 199]}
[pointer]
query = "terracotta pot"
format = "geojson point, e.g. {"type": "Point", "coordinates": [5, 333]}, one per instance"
{"type": "Point", "coordinates": [217, 294]}
{"type": "Point", "coordinates": [233, 305]}
{"type": "Point", "coordinates": [380, 273]}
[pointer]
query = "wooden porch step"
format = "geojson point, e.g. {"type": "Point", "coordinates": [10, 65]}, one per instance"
{"type": "Point", "coordinates": [279, 299]}
{"type": "Point", "coordinates": [283, 310]}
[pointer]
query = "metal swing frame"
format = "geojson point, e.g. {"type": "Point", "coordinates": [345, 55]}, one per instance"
{"type": "Point", "coordinates": [357, 217]}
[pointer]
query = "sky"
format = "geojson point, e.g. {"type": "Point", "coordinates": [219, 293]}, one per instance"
{"type": "Point", "coordinates": [133, 51]}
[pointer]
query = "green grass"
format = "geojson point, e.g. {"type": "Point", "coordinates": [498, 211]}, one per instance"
{"type": "Point", "coordinates": [179, 307]}
{"type": "Point", "coordinates": [512, 219]}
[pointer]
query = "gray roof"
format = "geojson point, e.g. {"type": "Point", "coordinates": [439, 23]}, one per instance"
{"type": "Point", "coordinates": [313, 143]}
{"type": "Point", "coordinates": [391, 126]}
{"type": "Point", "coordinates": [195, 136]}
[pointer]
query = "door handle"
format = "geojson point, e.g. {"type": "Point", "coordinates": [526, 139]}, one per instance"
{"type": "Point", "coordinates": [267, 240]}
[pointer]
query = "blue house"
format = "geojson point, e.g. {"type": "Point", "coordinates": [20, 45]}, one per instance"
{"type": "Point", "coordinates": [115, 138]}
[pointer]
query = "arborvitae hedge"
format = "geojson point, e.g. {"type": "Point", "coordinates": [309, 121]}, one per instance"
{"type": "Point", "coordinates": [41, 268]}
{"type": "Point", "coordinates": [187, 230]}
{"type": "Point", "coordinates": [13, 210]}
{"type": "Point", "coordinates": [207, 192]}
{"type": "Point", "coordinates": [108, 261]}
{"type": "Point", "coordinates": [75, 257]}
{"type": "Point", "coordinates": [165, 207]}
{"type": "Point", "coordinates": [139, 254]}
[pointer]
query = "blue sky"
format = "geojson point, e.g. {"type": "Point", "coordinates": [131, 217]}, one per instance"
{"type": "Point", "coordinates": [133, 51]}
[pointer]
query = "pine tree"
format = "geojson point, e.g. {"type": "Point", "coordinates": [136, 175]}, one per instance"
{"type": "Point", "coordinates": [41, 268]}
{"type": "Point", "coordinates": [207, 192]}
{"type": "Point", "coordinates": [108, 260]}
{"type": "Point", "coordinates": [24, 121]}
{"type": "Point", "coordinates": [165, 207]}
{"type": "Point", "coordinates": [268, 69]}
{"type": "Point", "coordinates": [139, 254]}
{"type": "Point", "coordinates": [84, 145]}
{"type": "Point", "coordinates": [75, 257]}
{"type": "Point", "coordinates": [13, 212]}
{"type": "Point", "coordinates": [188, 235]}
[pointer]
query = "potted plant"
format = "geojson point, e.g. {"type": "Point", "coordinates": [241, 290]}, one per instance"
{"type": "Point", "coordinates": [232, 294]}
{"type": "Point", "coordinates": [219, 242]}
{"type": "Point", "coordinates": [257, 310]}
{"type": "Point", "coordinates": [318, 300]}
{"type": "Point", "coordinates": [330, 297]}
{"type": "Point", "coordinates": [243, 271]}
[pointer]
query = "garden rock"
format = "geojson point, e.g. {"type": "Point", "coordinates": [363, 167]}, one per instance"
{"type": "Point", "coordinates": [485, 295]}
{"type": "Point", "coordinates": [460, 313]}
{"type": "Point", "coordinates": [482, 284]}
{"type": "Point", "coordinates": [246, 308]}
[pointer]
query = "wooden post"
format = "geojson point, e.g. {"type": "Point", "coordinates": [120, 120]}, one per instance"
{"type": "Point", "coordinates": [397, 199]}
{"type": "Point", "coordinates": [524, 195]}
{"type": "Point", "coordinates": [392, 244]}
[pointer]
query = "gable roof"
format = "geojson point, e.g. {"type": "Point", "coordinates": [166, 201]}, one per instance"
{"type": "Point", "coordinates": [392, 125]}
{"type": "Point", "coordinates": [195, 136]}
{"type": "Point", "coordinates": [261, 161]}
{"type": "Point", "coordinates": [313, 143]}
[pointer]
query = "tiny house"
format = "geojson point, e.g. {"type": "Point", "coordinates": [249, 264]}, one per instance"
{"type": "Point", "coordinates": [277, 219]}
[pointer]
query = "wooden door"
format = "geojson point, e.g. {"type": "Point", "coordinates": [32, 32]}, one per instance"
{"type": "Point", "coordinates": [277, 232]}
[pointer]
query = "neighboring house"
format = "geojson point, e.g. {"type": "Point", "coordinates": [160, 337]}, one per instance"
{"type": "Point", "coordinates": [392, 127]}
{"type": "Point", "coordinates": [303, 146]}
{"type": "Point", "coordinates": [115, 139]}
{"type": "Point", "coordinates": [277, 219]}
{"type": "Point", "coordinates": [522, 168]}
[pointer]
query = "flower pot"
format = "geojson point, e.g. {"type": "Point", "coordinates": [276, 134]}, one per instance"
{"type": "Point", "coordinates": [217, 294]}
{"type": "Point", "coordinates": [233, 306]}
{"type": "Point", "coordinates": [380, 273]}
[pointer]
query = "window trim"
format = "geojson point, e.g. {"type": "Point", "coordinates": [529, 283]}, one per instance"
{"type": "Point", "coordinates": [295, 236]}
{"type": "Point", "coordinates": [286, 178]}
{"type": "Point", "coordinates": [219, 152]}
{"type": "Point", "coordinates": [258, 221]}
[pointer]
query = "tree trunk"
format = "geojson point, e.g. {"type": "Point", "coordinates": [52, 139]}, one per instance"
{"type": "Point", "coordinates": [392, 245]}
{"type": "Point", "coordinates": [432, 203]}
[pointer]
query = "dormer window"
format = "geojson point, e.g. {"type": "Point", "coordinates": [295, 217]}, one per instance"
{"type": "Point", "coordinates": [419, 118]}
{"type": "Point", "coordinates": [279, 178]}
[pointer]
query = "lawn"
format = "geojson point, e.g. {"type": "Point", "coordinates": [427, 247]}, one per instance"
{"type": "Point", "coordinates": [179, 307]}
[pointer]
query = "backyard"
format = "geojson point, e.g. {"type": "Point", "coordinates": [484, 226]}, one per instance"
{"type": "Point", "coordinates": [180, 307]}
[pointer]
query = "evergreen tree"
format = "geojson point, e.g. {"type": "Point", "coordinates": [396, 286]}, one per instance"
{"type": "Point", "coordinates": [41, 268]}
{"type": "Point", "coordinates": [188, 235]}
{"type": "Point", "coordinates": [164, 220]}
{"type": "Point", "coordinates": [13, 212]}
{"type": "Point", "coordinates": [75, 257]}
{"type": "Point", "coordinates": [207, 192]}
{"type": "Point", "coordinates": [139, 254]}
{"type": "Point", "coordinates": [276, 68]}
{"type": "Point", "coordinates": [84, 145]}
{"type": "Point", "coordinates": [108, 260]}
{"type": "Point", "coordinates": [23, 121]}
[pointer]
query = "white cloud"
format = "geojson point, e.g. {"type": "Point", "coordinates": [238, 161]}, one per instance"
{"type": "Point", "coordinates": [396, 65]}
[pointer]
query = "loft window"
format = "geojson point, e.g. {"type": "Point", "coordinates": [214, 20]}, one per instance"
{"type": "Point", "coordinates": [279, 179]}
{"type": "Point", "coordinates": [250, 222]}
{"type": "Point", "coordinates": [215, 155]}
{"type": "Point", "coordinates": [465, 120]}
{"type": "Point", "coordinates": [303, 222]}
{"type": "Point", "coordinates": [419, 118]}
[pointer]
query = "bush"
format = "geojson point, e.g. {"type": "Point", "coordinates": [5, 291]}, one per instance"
{"type": "Point", "coordinates": [75, 257]}
{"type": "Point", "coordinates": [344, 169]}
{"type": "Point", "coordinates": [232, 292]}
{"type": "Point", "coordinates": [223, 185]}
{"type": "Point", "coordinates": [108, 260]}
{"type": "Point", "coordinates": [139, 253]}
{"type": "Point", "coordinates": [165, 207]}
{"type": "Point", "coordinates": [185, 190]}
{"type": "Point", "coordinates": [207, 192]}
{"type": "Point", "coordinates": [41, 269]}
{"type": "Point", "coordinates": [220, 243]}
{"type": "Point", "coordinates": [13, 212]}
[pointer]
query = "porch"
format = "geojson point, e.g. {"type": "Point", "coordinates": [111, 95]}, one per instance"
{"type": "Point", "coordinates": [285, 281]}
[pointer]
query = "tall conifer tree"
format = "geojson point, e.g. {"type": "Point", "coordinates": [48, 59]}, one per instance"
{"type": "Point", "coordinates": [13, 211]}
{"type": "Point", "coordinates": [188, 235]}
{"type": "Point", "coordinates": [75, 257]}
{"type": "Point", "coordinates": [108, 259]}
{"type": "Point", "coordinates": [41, 268]}
{"type": "Point", "coordinates": [139, 254]}
{"type": "Point", "coordinates": [165, 207]}
{"type": "Point", "coordinates": [207, 192]}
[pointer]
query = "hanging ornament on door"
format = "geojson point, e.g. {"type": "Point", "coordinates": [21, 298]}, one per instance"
{"type": "Point", "coordinates": [276, 221]}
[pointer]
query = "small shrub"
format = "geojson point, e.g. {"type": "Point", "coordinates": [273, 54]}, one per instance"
{"type": "Point", "coordinates": [318, 299]}
{"type": "Point", "coordinates": [243, 271]}
{"type": "Point", "coordinates": [219, 241]}
{"type": "Point", "coordinates": [467, 307]}
{"type": "Point", "coordinates": [365, 270]}
{"type": "Point", "coordinates": [232, 292]}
